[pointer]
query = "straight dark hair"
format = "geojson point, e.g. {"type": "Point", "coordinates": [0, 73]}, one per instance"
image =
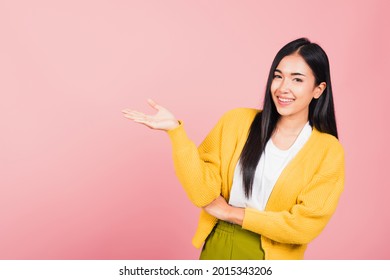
{"type": "Point", "coordinates": [321, 110]}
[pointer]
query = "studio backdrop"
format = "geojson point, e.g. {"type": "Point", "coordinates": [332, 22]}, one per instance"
{"type": "Point", "coordinates": [79, 181]}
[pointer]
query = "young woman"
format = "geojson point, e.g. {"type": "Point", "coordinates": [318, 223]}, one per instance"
{"type": "Point", "coordinates": [269, 180]}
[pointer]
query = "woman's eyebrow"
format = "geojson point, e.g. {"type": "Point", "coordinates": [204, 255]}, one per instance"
{"type": "Point", "coordinates": [292, 74]}
{"type": "Point", "coordinates": [297, 74]}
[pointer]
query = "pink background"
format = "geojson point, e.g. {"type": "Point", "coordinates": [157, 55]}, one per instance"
{"type": "Point", "coordinates": [79, 181]}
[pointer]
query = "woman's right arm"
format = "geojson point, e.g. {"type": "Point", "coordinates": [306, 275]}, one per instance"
{"type": "Point", "coordinates": [198, 169]}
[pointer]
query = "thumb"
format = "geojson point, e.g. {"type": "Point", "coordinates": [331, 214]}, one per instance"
{"type": "Point", "coordinates": [153, 104]}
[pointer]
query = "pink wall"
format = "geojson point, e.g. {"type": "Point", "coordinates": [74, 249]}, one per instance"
{"type": "Point", "coordinates": [79, 181]}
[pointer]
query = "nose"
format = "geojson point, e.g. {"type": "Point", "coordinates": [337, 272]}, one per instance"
{"type": "Point", "coordinates": [284, 86]}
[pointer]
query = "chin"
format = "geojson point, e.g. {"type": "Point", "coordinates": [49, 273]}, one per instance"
{"type": "Point", "coordinates": [283, 111]}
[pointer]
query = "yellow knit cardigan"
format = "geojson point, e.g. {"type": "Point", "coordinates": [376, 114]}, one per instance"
{"type": "Point", "coordinates": [303, 199]}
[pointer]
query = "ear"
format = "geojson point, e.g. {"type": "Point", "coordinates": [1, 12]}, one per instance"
{"type": "Point", "coordinates": [319, 90]}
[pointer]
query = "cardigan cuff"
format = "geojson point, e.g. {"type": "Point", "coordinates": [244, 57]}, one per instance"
{"type": "Point", "coordinates": [252, 219]}
{"type": "Point", "coordinates": [178, 137]}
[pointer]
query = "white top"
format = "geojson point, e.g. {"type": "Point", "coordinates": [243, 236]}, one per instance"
{"type": "Point", "coordinates": [271, 164]}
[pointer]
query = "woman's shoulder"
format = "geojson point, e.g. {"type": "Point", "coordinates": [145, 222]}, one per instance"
{"type": "Point", "coordinates": [241, 114]}
{"type": "Point", "coordinates": [237, 121]}
{"type": "Point", "coordinates": [328, 140]}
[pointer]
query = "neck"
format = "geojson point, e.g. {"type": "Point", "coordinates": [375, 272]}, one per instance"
{"type": "Point", "coordinates": [291, 126]}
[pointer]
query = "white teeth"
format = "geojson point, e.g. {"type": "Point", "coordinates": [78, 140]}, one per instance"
{"type": "Point", "coordinates": [285, 99]}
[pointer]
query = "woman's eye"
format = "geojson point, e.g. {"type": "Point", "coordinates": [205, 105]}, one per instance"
{"type": "Point", "coordinates": [298, 80]}
{"type": "Point", "coordinates": [277, 77]}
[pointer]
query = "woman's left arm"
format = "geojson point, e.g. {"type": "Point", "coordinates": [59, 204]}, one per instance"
{"type": "Point", "coordinates": [305, 220]}
{"type": "Point", "coordinates": [313, 209]}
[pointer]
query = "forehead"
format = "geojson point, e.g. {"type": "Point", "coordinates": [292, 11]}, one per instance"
{"type": "Point", "coordinates": [294, 64]}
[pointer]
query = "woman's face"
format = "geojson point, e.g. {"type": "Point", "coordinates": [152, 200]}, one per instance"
{"type": "Point", "coordinates": [293, 87]}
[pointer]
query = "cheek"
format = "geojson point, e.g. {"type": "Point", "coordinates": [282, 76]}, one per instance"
{"type": "Point", "coordinates": [304, 91]}
{"type": "Point", "coordinates": [274, 86]}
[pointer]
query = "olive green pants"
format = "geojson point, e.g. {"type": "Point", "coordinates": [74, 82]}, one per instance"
{"type": "Point", "coordinates": [231, 242]}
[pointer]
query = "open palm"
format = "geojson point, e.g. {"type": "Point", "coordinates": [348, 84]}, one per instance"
{"type": "Point", "coordinates": [163, 119]}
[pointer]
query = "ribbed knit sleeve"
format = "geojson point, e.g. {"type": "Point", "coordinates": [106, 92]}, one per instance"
{"type": "Point", "coordinates": [314, 205]}
{"type": "Point", "coordinates": [198, 169]}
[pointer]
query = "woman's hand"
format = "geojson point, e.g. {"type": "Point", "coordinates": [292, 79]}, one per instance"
{"type": "Point", "coordinates": [220, 209]}
{"type": "Point", "coordinates": [162, 120]}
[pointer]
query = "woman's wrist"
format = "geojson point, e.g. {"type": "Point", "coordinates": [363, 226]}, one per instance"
{"type": "Point", "coordinates": [175, 124]}
{"type": "Point", "coordinates": [235, 215]}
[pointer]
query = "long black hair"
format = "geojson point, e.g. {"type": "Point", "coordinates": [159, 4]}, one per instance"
{"type": "Point", "coordinates": [321, 110]}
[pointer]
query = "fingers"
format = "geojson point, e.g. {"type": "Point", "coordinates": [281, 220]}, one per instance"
{"type": "Point", "coordinates": [129, 111]}
{"type": "Point", "coordinates": [140, 118]}
{"type": "Point", "coordinates": [137, 116]}
{"type": "Point", "coordinates": [151, 102]}
{"type": "Point", "coordinates": [133, 114]}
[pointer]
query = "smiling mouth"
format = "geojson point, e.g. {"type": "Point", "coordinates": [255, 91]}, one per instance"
{"type": "Point", "coordinates": [285, 100]}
